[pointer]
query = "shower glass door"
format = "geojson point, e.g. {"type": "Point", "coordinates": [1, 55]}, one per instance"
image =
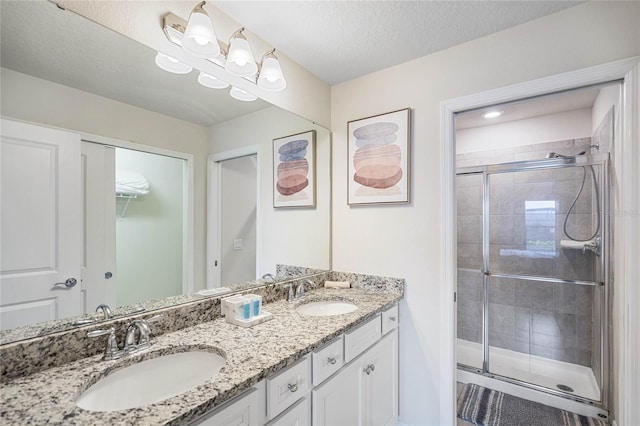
{"type": "Point", "coordinates": [537, 292]}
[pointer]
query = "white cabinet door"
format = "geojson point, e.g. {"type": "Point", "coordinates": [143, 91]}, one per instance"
{"type": "Point", "coordinates": [40, 220]}
{"type": "Point", "coordinates": [337, 401]}
{"type": "Point", "coordinates": [379, 369]}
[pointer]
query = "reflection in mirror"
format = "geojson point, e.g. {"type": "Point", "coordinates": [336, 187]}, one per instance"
{"type": "Point", "coordinates": [65, 72]}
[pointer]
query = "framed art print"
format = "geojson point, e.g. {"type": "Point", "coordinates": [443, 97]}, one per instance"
{"type": "Point", "coordinates": [294, 170]}
{"type": "Point", "coordinates": [379, 159]}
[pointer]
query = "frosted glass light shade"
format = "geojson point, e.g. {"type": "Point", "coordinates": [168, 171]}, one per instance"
{"type": "Point", "coordinates": [240, 60]}
{"type": "Point", "coordinates": [241, 95]}
{"type": "Point", "coordinates": [271, 77]}
{"type": "Point", "coordinates": [199, 37]}
{"type": "Point", "coordinates": [171, 64]}
{"type": "Point", "coordinates": [211, 82]}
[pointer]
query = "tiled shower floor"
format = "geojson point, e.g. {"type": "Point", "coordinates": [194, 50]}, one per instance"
{"type": "Point", "coordinates": [531, 369]}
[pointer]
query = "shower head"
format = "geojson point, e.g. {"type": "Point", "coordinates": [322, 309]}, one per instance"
{"type": "Point", "coordinates": [556, 155]}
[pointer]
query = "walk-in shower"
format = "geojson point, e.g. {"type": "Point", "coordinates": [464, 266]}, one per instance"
{"type": "Point", "coordinates": [533, 252]}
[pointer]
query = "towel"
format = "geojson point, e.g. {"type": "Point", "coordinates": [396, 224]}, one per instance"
{"type": "Point", "coordinates": [337, 284]}
{"type": "Point", "coordinates": [131, 183]}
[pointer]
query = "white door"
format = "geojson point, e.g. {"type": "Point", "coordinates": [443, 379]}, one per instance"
{"type": "Point", "coordinates": [40, 218]}
{"type": "Point", "coordinates": [99, 278]}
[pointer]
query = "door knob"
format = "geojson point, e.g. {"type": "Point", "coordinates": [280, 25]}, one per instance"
{"type": "Point", "coordinates": [69, 283]}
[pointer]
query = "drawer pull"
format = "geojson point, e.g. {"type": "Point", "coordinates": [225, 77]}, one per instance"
{"type": "Point", "coordinates": [369, 369]}
{"type": "Point", "coordinates": [292, 387]}
{"type": "Point", "coordinates": [392, 318]}
{"type": "Point", "coordinates": [332, 360]}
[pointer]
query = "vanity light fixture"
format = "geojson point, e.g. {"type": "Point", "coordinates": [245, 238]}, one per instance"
{"type": "Point", "coordinates": [211, 82]}
{"type": "Point", "coordinates": [236, 58]}
{"type": "Point", "coordinates": [271, 77]}
{"type": "Point", "coordinates": [242, 95]}
{"type": "Point", "coordinates": [240, 60]}
{"type": "Point", "coordinates": [492, 114]}
{"type": "Point", "coordinates": [199, 36]}
{"type": "Point", "coordinates": [171, 64]}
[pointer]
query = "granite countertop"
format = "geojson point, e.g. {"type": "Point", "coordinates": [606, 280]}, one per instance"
{"type": "Point", "coordinates": [252, 354]}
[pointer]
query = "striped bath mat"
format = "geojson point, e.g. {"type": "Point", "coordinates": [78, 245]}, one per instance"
{"type": "Point", "coordinates": [487, 407]}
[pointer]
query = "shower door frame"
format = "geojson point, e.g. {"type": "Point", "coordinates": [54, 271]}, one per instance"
{"type": "Point", "coordinates": [601, 282]}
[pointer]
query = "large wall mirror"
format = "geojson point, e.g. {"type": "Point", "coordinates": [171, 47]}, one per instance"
{"type": "Point", "coordinates": [162, 213]}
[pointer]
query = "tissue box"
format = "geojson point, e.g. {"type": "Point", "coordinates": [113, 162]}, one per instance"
{"type": "Point", "coordinates": [244, 310]}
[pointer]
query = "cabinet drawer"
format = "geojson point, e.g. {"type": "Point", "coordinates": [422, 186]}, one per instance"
{"type": "Point", "coordinates": [298, 415]}
{"type": "Point", "coordinates": [356, 341]}
{"type": "Point", "coordinates": [390, 319]}
{"type": "Point", "coordinates": [288, 386]}
{"type": "Point", "coordinates": [327, 360]}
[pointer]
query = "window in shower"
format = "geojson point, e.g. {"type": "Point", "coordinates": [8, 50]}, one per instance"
{"type": "Point", "coordinates": [540, 228]}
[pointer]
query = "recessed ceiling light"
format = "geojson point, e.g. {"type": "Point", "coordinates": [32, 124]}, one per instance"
{"type": "Point", "coordinates": [492, 114]}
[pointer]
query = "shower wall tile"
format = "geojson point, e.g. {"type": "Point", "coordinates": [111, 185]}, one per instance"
{"type": "Point", "coordinates": [469, 200]}
{"type": "Point", "coordinates": [502, 292]}
{"type": "Point", "coordinates": [523, 323]}
{"type": "Point", "coordinates": [470, 256]}
{"type": "Point", "coordinates": [469, 285]}
{"type": "Point", "coordinates": [469, 313]}
{"type": "Point", "coordinates": [502, 319]}
{"type": "Point", "coordinates": [533, 176]}
{"type": "Point", "coordinates": [539, 191]}
{"type": "Point", "coordinates": [470, 334]}
{"type": "Point", "coordinates": [536, 295]}
{"type": "Point", "coordinates": [501, 341]}
{"type": "Point", "coordinates": [501, 229]}
{"type": "Point", "coordinates": [564, 299]}
{"type": "Point", "coordinates": [464, 181]}
{"type": "Point", "coordinates": [501, 200]}
{"type": "Point", "coordinates": [470, 229]}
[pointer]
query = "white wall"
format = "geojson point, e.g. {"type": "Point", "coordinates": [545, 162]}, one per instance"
{"type": "Point", "coordinates": [404, 240]}
{"type": "Point", "coordinates": [40, 101]}
{"type": "Point", "coordinates": [150, 234]}
{"type": "Point", "coordinates": [535, 130]}
{"type": "Point", "coordinates": [293, 236]}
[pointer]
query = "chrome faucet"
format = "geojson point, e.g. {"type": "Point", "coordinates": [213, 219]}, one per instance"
{"type": "Point", "coordinates": [299, 292]}
{"type": "Point", "coordinates": [139, 327]}
{"type": "Point", "coordinates": [131, 344]}
{"type": "Point", "coordinates": [269, 277]}
{"type": "Point", "coordinates": [106, 311]}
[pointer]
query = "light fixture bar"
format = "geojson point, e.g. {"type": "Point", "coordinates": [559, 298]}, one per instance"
{"type": "Point", "coordinates": [197, 38]}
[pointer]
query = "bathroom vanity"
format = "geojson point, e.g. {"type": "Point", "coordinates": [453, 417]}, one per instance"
{"type": "Point", "coordinates": [350, 380]}
{"type": "Point", "coordinates": [294, 369]}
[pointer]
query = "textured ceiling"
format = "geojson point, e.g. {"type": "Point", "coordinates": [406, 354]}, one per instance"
{"type": "Point", "coordinates": [341, 40]}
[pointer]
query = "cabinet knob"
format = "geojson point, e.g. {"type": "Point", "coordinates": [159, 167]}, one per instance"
{"type": "Point", "coordinates": [369, 369]}
{"type": "Point", "coordinates": [292, 387]}
{"type": "Point", "coordinates": [392, 318]}
{"type": "Point", "coordinates": [332, 360]}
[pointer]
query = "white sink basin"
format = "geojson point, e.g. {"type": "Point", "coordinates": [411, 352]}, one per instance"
{"type": "Point", "coordinates": [326, 308]}
{"type": "Point", "coordinates": [151, 381]}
